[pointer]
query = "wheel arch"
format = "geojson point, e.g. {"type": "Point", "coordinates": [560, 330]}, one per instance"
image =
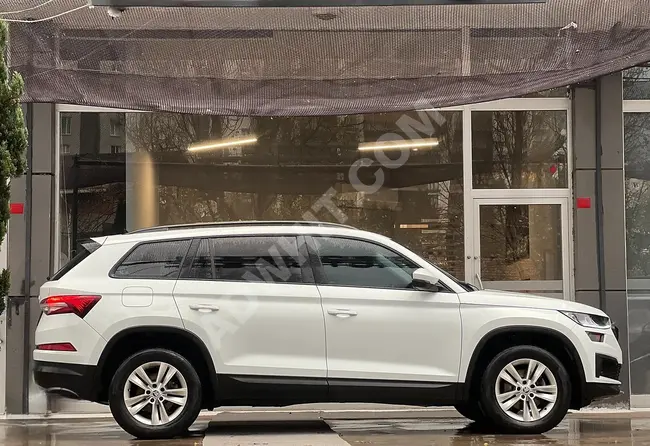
{"type": "Point", "coordinates": [131, 340]}
{"type": "Point", "coordinates": [548, 339]}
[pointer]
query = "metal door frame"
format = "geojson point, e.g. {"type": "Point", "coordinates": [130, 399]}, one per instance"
{"type": "Point", "coordinates": [562, 196]}
{"type": "Point", "coordinates": [472, 254]}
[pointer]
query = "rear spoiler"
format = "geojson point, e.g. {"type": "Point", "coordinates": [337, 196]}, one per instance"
{"type": "Point", "coordinates": [99, 240]}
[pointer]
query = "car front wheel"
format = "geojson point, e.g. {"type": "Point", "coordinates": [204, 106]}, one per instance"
{"type": "Point", "coordinates": [471, 410]}
{"type": "Point", "coordinates": [155, 394]}
{"type": "Point", "coordinates": [525, 390]}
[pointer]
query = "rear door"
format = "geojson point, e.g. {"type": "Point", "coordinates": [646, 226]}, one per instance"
{"type": "Point", "coordinates": [253, 301]}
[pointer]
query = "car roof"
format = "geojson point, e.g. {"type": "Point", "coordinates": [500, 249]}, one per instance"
{"type": "Point", "coordinates": [240, 228]}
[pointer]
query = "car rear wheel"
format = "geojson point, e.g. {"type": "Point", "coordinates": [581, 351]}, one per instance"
{"type": "Point", "coordinates": [155, 394]}
{"type": "Point", "coordinates": [525, 390]}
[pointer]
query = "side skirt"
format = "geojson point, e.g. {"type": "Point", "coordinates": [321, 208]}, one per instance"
{"type": "Point", "coordinates": [254, 390]}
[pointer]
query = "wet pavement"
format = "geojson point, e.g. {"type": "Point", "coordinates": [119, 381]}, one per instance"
{"type": "Point", "coordinates": [299, 429]}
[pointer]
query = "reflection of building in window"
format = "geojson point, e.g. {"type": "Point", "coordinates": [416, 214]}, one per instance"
{"type": "Point", "coordinates": [636, 83]}
{"type": "Point", "coordinates": [66, 125]}
{"type": "Point", "coordinates": [235, 151]}
{"type": "Point", "coordinates": [115, 127]}
{"type": "Point", "coordinates": [294, 162]}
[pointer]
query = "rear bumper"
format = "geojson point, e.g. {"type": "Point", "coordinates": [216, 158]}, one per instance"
{"type": "Point", "coordinates": [70, 380]}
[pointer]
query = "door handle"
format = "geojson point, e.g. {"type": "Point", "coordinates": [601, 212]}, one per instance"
{"type": "Point", "coordinates": [204, 308]}
{"type": "Point", "coordinates": [341, 313]}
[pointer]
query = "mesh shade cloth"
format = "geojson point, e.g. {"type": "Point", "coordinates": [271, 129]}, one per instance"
{"type": "Point", "coordinates": [306, 61]}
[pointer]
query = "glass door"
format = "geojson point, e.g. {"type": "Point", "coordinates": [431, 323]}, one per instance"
{"type": "Point", "coordinates": [521, 245]}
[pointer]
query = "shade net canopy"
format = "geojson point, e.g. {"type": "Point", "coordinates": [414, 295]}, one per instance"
{"type": "Point", "coordinates": [317, 61]}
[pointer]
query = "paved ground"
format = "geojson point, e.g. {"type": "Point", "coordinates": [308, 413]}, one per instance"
{"type": "Point", "coordinates": [334, 429]}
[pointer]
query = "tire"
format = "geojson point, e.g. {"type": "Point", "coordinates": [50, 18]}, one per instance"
{"type": "Point", "coordinates": [149, 421]}
{"type": "Point", "coordinates": [471, 411]}
{"type": "Point", "coordinates": [514, 420]}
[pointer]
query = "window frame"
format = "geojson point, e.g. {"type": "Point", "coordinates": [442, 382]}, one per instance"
{"type": "Point", "coordinates": [117, 264]}
{"type": "Point", "coordinates": [306, 270]}
{"type": "Point", "coordinates": [321, 277]}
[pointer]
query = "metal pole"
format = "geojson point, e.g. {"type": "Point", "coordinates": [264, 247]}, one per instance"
{"type": "Point", "coordinates": [600, 233]}
{"type": "Point", "coordinates": [27, 291]}
{"type": "Point", "coordinates": [75, 204]}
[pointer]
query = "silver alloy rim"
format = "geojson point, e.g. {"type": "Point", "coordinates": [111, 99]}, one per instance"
{"type": "Point", "coordinates": [526, 390]}
{"type": "Point", "coordinates": [155, 393]}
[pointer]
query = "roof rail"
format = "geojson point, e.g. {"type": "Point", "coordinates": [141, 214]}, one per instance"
{"type": "Point", "coordinates": [239, 223]}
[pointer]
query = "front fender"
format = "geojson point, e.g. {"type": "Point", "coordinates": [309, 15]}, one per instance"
{"type": "Point", "coordinates": [482, 322]}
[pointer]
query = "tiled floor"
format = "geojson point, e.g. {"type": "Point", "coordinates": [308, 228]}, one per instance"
{"type": "Point", "coordinates": [333, 429]}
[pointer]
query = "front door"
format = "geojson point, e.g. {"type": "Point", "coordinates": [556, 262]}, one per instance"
{"type": "Point", "coordinates": [379, 330]}
{"type": "Point", "coordinates": [521, 245]}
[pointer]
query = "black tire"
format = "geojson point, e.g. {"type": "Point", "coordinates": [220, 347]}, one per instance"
{"type": "Point", "coordinates": [502, 421]}
{"type": "Point", "coordinates": [178, 426]}
{"type": "Point", "coordinates": [471, 410]}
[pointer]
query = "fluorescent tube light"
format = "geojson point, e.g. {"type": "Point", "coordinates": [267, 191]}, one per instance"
{"type": "Point", "coordinates": [222, 144]}
{"type": "Point", "coordinates": [392, 145]}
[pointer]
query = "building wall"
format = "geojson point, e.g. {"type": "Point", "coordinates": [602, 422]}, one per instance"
{"type": "Point", "coordinates": [598, 155]}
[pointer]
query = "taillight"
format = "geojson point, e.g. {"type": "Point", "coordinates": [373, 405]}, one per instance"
{"type": "Point", "coordinates": [77, 304]}
{"type": "Point", "coordinates": [57, 347]}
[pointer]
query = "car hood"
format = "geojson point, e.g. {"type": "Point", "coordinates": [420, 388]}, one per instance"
{"type": "Point", "coordinates": [509, 299]}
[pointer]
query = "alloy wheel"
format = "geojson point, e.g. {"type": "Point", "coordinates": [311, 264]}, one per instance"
{"type": "Point", "coordinates": [526, 390]}
{"type": "Point", "coordinates": [155, 393]}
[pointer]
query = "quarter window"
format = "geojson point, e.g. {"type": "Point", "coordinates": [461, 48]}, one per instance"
{"type": "Point", "coordinates": [257, 259]}
{"type": "Point", "coordinates": [159, 260]}
{"type": "Point", "coordinates": [349, 262]}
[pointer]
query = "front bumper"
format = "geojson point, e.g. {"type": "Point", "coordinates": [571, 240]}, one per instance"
{"type": "Point", "coordinates": [594, 392]}
{"type": "Point", "coordinates": [70, 380]}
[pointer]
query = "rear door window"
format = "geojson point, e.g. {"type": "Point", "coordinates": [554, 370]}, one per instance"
{"type": "Point", "coordinates": [257, 259]}
{"type": "Point", "coordinates": [155, 260]}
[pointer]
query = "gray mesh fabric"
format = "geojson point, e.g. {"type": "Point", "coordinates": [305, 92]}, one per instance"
{"type": "Point", "coordinates": [306, 61]}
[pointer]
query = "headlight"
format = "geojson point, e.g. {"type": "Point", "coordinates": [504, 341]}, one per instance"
{"type": "Point", "coordinates": [588, 320]}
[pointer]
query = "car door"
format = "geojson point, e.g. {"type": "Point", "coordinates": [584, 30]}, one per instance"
{"type": "Point", "coordinates": [252, 299]}
{"type": "Point", "coordinates": [381, 333]}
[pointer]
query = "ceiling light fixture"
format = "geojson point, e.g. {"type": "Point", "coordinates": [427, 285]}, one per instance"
{"type": "Point", "coordinates": [222, 144]}
{"type": "Point", "coordinates": [391, 145]}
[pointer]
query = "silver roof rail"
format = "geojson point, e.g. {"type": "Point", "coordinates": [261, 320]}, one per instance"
{"type": "Point", "coordinates": [240, 223]}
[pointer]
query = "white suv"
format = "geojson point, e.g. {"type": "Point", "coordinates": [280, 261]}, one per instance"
{"type": "Point", "coordinates": [162, 323]}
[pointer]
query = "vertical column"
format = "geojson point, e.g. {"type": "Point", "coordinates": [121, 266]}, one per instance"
{"type": "Point", "coordinates": [599, 231]}
{"type": "Point", "coordinates": [142, 202]}
{"type": "Point", "coordinates": [30, 259]}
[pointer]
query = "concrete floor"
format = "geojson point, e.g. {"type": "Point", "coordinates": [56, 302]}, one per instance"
{"type": "Point", "coordinates": [334, 429]}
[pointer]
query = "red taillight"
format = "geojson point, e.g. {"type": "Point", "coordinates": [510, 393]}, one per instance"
{"type": "Point", "coordinates": [57, 347]}
{"type": "Point", "coordinates": [79, 305]}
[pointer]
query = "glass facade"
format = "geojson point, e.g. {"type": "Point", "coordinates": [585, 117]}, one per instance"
{"type": "Point", "coordinates": [399, 174]}
{"type": "Point", "coordinates": [637, 218]}
{"type": "Point", "coordinates": [184, 168]}
{"type": "Point", "coordinates": [519, 149]}
{"type": "Point", "coordinates": [636, 83]}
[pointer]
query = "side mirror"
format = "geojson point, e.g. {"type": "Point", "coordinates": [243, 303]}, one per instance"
{"type": "Point", "coordinates": [425, 281]}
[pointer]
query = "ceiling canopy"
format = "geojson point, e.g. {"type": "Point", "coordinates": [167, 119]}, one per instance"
{"type": "Point", "coordinates": [317, 61]}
